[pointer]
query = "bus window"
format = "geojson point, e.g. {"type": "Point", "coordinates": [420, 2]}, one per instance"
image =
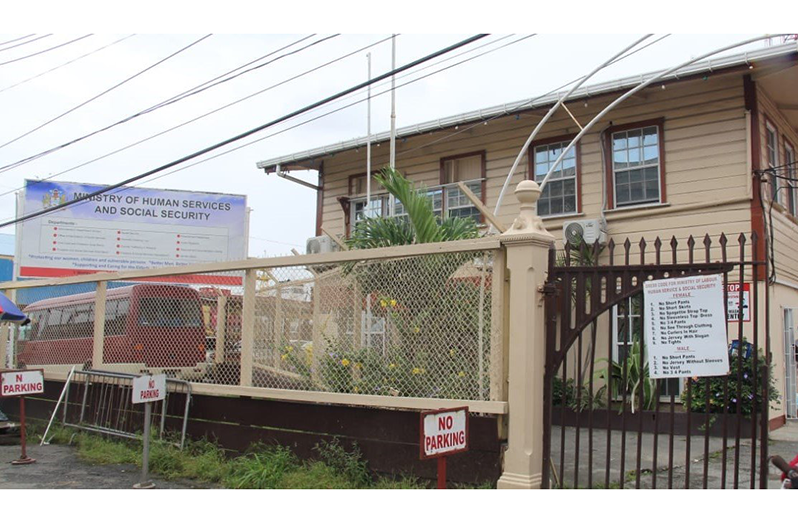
{"type": "Point", "coordinates": [169, 312]}
{"type": "Point", "coordinates": [116, 317]}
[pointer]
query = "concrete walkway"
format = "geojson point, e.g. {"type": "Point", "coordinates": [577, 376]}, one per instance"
{"type": "Point", "coordinates": [783, 441]}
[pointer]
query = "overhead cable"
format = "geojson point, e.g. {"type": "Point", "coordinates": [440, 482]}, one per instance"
{"type": "Point", "coordinates": [93, 98]}
{"type": "Point", "coordinates": [168, 101]}
{"type": "Point", "coordinates": [65, 64]}
{"type": "Point", "coordinates": [50, 177]}
{"type": "Point", "coordinates": [318, 117]}
{"type": "Point", "coordinates": [245, 134]}
{"type": "Point", "coordinates": [22, 43]}
{"type": "Point", "coordinates": [45, 50]}
{"type": "Point", "coordinates": [124, 188]}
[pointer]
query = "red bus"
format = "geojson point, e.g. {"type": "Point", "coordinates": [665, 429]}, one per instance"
{"type": "Point", "coordinates": [158, 326]}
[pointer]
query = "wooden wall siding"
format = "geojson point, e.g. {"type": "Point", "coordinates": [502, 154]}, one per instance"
{"type": "Point", "coordinates": [705, 152]}
{"type": "Point", "coordinates": [388, 438]}
{"type": "Point", "coordinates": [785, 226]}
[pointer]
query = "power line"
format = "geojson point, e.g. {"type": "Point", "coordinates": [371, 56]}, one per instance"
{"type": "Point", "coordinates": [50, 177]}
{"type": "Point", "coordinates": [245, 134]}
{"type": "Point", "coordinates": [93, 98]}
{"type": "Point", "coordinates": [124, 188]}
{"type": "Point", "coordinates": [64, 64]}
{"type": "Point", "coordinates": [199, 90]}
{"type": "Point", "coordinates": [45, 50]}
{"type": "Point", "coordinates": [169, 101]}
{"type": "Point", "coordinates": [23, 43]}
{"type": "Point", "coordinates": [329, 112]}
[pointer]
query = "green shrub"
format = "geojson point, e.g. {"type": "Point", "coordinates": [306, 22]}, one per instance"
{"type": "Point", "coordinates": [750, 396]}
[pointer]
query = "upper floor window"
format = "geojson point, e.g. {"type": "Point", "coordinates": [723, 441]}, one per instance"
{"type": "Point", "coordinates": [470, 169]}
{"type": "Point", "coordinates": [447, 199]}
{"type": "Point", "coordinates": [636, 160]}
{"type": "Point", "coordinates": [560, 193]}
{"type": "Point", "coordinates": [771, 141]}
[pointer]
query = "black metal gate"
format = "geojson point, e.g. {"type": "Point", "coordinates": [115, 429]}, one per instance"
{"type": "Point", "coordinates": [607, 424]}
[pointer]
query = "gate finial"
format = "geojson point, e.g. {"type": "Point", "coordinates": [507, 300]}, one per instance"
{"type": "Point", "coordinates": [528, 193]}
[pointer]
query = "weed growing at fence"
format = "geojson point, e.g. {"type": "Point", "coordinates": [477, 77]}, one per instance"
{"type": "Point", "coordinates": [348, 464]}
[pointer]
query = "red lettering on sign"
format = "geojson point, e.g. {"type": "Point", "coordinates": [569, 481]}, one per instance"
{"type": "Point", "coordinates": [19, 378]}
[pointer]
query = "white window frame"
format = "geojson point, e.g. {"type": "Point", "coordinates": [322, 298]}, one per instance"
{"type": "Point", "coordinates": [616, 345]}
{"type": "Point", "coordinates": [641, 166]}
{"type": "Point", "coordinates": [557, 177]}
{"type": "Point", "coordinates": [790, 364]}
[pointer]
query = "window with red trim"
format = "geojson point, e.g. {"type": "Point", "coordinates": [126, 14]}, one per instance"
{"type": "Point", "coordinates": [560, 195]}
{"type": "Point", "coordinates": [635, 164]}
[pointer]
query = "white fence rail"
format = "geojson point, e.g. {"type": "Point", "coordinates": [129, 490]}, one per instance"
{"type": "Point", "coordinates": [414, 326]}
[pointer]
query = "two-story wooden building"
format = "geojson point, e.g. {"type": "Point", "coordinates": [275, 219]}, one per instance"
{"type": "Point", "coordinates": [677, 159]}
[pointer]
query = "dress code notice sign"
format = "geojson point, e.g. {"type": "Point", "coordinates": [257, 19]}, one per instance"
{"type": "Point", "coordinates": [685, 327]}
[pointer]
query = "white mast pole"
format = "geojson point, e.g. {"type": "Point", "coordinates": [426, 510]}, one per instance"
{"type": "Point", "coordinates": [393, 103]}
{"type": "Point", "coordinates": [368, 141]}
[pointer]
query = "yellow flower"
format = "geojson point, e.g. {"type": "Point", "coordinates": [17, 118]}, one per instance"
{"type": "Point", "coordinates": [284, 357]}
{"type": "Point", "coordinates": [451, 352]}
{"type": "Point", "coordinates": [383, 303]}
{"type": "Point", "coordinates": [358, 365]}
{"type": "Point", "coordinates": [393, 303]}
{"type": "Point", "coordinates": [344, 362]}
{"type": "Point", "coordinates": [356, 389]}
{"type": "Point", "coordinates": [418, 370]}
{"type": "Point", "coordinates": [392, 366]}
{"type": "Point", "coordinates": [416, 330]}
{"type": "Point", "coordinates": [461, 374]}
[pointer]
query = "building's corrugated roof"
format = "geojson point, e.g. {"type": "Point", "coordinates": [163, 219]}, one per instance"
{"type": "Point", "coordinates": [704, 66]}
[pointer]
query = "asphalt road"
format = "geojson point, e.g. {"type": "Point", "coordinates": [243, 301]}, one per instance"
{"type": "Point", "coordinates": [58, 467]}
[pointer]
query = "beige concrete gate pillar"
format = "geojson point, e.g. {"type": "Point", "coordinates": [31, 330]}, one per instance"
{"type": "Point", "coordinates": [527, 244]}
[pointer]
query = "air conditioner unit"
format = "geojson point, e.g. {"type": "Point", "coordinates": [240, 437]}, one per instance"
{"type": "Point", "coordinates": [320, 245]}
{"type": "Point", "coordinates": [587, 231]}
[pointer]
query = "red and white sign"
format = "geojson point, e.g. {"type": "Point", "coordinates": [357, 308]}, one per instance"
{"type": "Point", "coordinates": [733, 302]}
{"type": "Point", "coordinates": [444, 432]}
{"type": "Point", "coordinates": [21, 382]}
{"type": "Point", "coordinates": [149, 388]}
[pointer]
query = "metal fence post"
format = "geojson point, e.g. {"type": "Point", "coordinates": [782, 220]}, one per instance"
{"type": "Point", "coordinates": [527, 244]}
{"type": "Point", "coordinates": [248, 326]}
{"type": "Point", "coordinates": [99, 325]}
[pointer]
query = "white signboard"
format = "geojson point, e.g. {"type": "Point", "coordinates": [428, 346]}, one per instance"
{"type": "Point", "coordinates": [21, 382]}
{"type": "Point", "coordinates": [685, 327]}
{"type": "Point", "coordinates": [444, 432]}
{"type": "Point", "coordinates": [149, 388]}
{"type": "Point", "coordinates": [733, 301]}
{"type": "Point", "coordinates": [126, 229]}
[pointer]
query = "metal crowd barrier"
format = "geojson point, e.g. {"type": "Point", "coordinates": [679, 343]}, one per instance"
{"type": "Point", "coordinates": [106, 406]}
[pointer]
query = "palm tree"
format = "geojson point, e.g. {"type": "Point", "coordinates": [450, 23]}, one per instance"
{"type": "Point", "coordinates": [422, 225]}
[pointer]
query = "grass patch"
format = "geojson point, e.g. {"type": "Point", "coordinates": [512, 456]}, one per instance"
{"type": "Point", "coordinates": [261, 467]}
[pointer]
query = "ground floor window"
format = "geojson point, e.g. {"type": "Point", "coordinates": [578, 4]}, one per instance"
{"type": "Point", "coordinates": [627, 329]}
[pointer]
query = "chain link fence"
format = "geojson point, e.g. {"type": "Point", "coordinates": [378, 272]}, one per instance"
{"type": "Point", "coordinates": [424, 326]}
